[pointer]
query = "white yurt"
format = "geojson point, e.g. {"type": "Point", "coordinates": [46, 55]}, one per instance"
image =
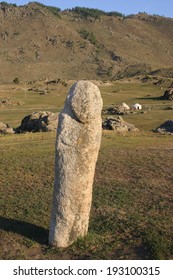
{"type": "Point", "coordinates": [136, 106]}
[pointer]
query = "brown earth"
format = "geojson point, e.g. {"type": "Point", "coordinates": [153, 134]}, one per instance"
{"type": "Point", "coordinates": [35, 43]}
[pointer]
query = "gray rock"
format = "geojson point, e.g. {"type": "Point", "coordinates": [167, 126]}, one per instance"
{"type": "Point", "coordinates": [77, 146]}
{"type": "Point", "coordinates": [168, 94]}
{"type": "Point", "coordinates": [169, 108]}
{"type": "Point", "coordinates": [10, 101]}
{"type": "Point", "coordinates": [42, 121]}
{"type": "Point", "coordinates": [116, 110]}
{"type": "Point", "coordinates": [118, 124]}
{"type": "Point", "coordinates": [5, 129]}
{"type": "Point", "coordinates": [165, 128]}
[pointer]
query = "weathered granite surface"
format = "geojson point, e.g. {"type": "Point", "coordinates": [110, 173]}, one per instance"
{"type": "Point", "coordinates": [77, 145]}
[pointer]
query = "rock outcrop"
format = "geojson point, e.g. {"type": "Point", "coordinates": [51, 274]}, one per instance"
{"type": "Point", "coordinates": [42, 121]}
{"type": "Point", "coordinates": [118, 124]}
{"type": "Point", "coordinates": [168, 94]}
{"type": "Point", "coordinates": [165, 128]}
{"type": "Point", "coordinates": [10, 102]}
{"type": "Point", "coordinates": [77, 145]}
{"type": "Point", "coordinates": [5, 129]}
{"type": "Point", "coordinates": [122, 109]}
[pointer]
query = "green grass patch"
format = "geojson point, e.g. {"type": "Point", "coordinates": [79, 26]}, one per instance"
{"type": "Point", "coordinates": [131, 194]}
{"type": "Point", "coordinates": [131, 214]}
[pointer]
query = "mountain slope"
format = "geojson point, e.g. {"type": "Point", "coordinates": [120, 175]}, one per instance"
{"type": "Point", "coordinates": [36, 43]}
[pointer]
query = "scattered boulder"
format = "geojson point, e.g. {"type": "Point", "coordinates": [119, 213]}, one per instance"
{"type": "Point", "coordinates": [168, 94]}
{"type": "Point", "coordinates": [5, 129]}
{"type": "Point", "coordinates": [10, 102]}
{"type": "Point", "coordinates": [116, 57]}
{"type": "Point", "coordinates": [118, 124]}
{"type": "Point", "coordinates": [125, 106]}
{"type": "Point", "coordinates": [41, 91]}
{"type": "Point", "coordinates": [42, 121]}
{"type": "Point", "coordinates": [122, 109]}
{"type": "Point", "coordinates": [169, 108]}
{"type": "Point", "coordinates": [56, 81]}
{"type": "Point", "coordinates": [165, 128]}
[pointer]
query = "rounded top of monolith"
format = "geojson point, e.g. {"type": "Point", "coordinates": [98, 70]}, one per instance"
{"type": "Point", "coordinates": [85, 101]}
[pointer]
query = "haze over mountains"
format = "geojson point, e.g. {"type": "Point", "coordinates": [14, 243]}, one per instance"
{"type": "Point", "coordinates": [38, 42]}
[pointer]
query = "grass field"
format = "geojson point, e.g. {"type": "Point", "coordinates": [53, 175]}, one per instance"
{"type": "Point", "coordinates": [131, 215]}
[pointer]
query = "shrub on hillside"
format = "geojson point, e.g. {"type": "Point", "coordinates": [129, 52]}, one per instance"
{"type": "Point", "coordinates": [54, 10]}
{"type": "Point", "coordinates": [16, 81]}
{"type": "Point", "coordinates": [7, 4]}
{"type": "Point", "coordinates": [94, 13]}
{"type": "Point", "coordinates": [115, 14]}
{"type": "Point", "coordinates": [87, 12]}
{"type": "Point", "coordinates": [88, 36]}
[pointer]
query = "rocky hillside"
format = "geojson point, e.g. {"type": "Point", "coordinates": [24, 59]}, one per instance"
{"type": "Point", "coordinates": [38, 41]}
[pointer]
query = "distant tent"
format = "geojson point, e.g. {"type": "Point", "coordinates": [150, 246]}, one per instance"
{"type": "Point", "coordinates": [136, 106]}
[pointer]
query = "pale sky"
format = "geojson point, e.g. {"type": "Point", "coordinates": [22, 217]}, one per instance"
{"type": "Point", "coordinates": [161, 7]}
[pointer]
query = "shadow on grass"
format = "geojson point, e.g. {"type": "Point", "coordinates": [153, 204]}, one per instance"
{"type": "Point", "coordinates": [151, 98]}
{"type": "Point", "coordinates": [26, 229]}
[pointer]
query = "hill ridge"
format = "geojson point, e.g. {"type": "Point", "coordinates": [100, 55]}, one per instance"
{"type": "Point", "coordinates": [39, 41]}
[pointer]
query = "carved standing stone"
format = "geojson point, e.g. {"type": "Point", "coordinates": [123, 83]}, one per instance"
{"type": "Point", "coordinates": [77, 145]}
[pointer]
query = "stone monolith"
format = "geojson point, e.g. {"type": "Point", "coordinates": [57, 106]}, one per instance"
{"type": "Point", "coordinates": [77, 145]}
